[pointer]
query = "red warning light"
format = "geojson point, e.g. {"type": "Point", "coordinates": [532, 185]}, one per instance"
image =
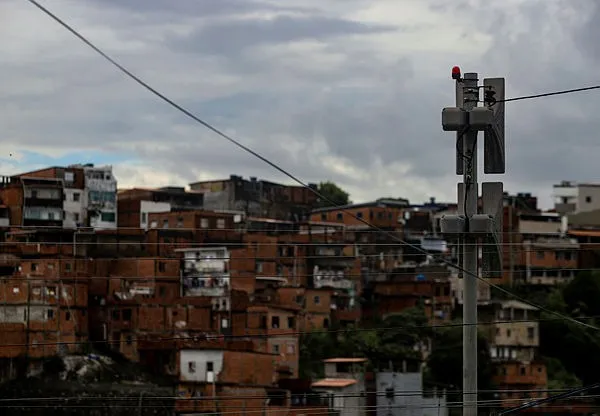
{"type": "Point", "coordinates": [455, 72]}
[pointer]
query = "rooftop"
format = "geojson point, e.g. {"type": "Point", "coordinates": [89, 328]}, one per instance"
{"type": "Point", "coordinates": [381, 202]}
{"type": "Point", "coordinates": [334, 382]}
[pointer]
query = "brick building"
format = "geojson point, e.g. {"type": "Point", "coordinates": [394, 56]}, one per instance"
{"type": "Point", "coordinates": [257, 198]}
{"type": "Point", "coordinates": [135, 205]}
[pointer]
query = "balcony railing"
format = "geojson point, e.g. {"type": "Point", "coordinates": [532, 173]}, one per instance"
{"type": "Point", "coordinates": [43, 202]}
{"type": "Point", "coordinates": [334, 283]}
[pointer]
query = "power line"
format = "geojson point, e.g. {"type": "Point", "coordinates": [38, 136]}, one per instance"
{"type": "Point", "coordinates": [550, 94]}
{"type": "Point", "coordinates": [272, 164]}
{"type": "Point", "coordinates": [213, 337]}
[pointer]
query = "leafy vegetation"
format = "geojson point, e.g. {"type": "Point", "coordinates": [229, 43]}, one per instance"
{"type": "Point", "coordinates": [390, 343]}
{"type": "Point", "coordinates": [333, 193]}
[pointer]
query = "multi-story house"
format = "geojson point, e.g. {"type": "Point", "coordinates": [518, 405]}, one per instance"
{"type": "Point", "coordinates": [257, 198]}
{"type": "Point", "coordinates": [514, 344]}
{"type": "Point", "coordinates": [101, 190]}
{"type": "Point", "coordinates": [42, 311]}
{"type": "Point", "coordinates": [135, 205]}
{"type": "Point", "coordinates": [227, 377]}
{"type": "Point", "coordinates": [33, 201]}
{"type": "Point", "coordinates": [573, 198]}
{"type": "Point", "coordinates": [88, 194]}
{"type": "Point", "coordinates": [205, 273]}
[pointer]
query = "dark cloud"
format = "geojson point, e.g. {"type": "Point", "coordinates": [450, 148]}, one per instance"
{"type": "Point", "coordinates": [231, 37]}
{"type": "Point", "coordinates": [313, 87]}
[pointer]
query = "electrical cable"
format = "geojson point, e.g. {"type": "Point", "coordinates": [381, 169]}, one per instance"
{"type": "Point", "coordinates": [549, 94]}
{"type": "Point", "coordinates": [373, 393]}
{"type": "Point", "coordinates": [272, 164]}
{"type": "Point", "coordinates": [536, 403]}
{"type": "Point", "coordinates": [203, 336]}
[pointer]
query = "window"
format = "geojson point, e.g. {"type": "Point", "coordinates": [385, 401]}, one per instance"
{"type": "Point", "coordinates": [531, 333]}
{"type": "Point", "coordinates": [75, 216]}
{"type": "Point", "coordinates": [221, 223]}
{"type": "Point", "coordinates": [523, 371]}
{"type": "Point", "coordinates": [68, 316]}
{"type": "Point", "coordinates": [192, 367]}
{"type": "Point", "coordinates": [204, 223]}
{"type": "Point", "coordinates": [276, 349]}
{"type": "Point", "coordinates": [340, 216]}
{"type": "Point", "coordinates": [325, 323]}
{"type": "Point", "coordinates": [317, 300]}
{"type": "Point", "coordinates": [108, 217]}
{"type": "Point", "coordinates": [291, 322]}
{"type": "Point", "coordinates": [275, 322]}
{"type": "Point", "coordinates": [162, 267]}
{"type": "Point", "coordinates": [34, 267]}
{"type": "Point", "coordinates": [568, 255]}
{"type": "Point", "coordinates": [68, 267]}
{"type": "Point", "coordinates": [49, 314]}
{"type": "Point", "coordinates": [127, 314]}
{"type": "Point", "coordinates": [291, 349]}
{"type": "Point", "coordinates": [154, 224]}
{"type": "Point", "coordinates": [508, 332]}
{"type": "Point", "coordinates": [69, 177]}
{"type": "Point", "coordinates": [588, 199]}
{"type": "Point", "coordinates": [129, 340]}
{"type": "Point", "coordinates": [359, 214]}
{"type": "Point", "coordinates": [323, 217]}
{"type": "Point", "coordinates": [76, 196]}
{"type": "Point", "coordinates": [180, 222]}
{"type": "Point", "coordinates": [51, 216]}
{"type": "Point", "coordinates": [144, 217]}
{"type": "Point", "coordinates": [263, 322]}
{"type": "Point", "coordinates": [259, 267]}
{"type": "Point", "coordinates": [34, 193]}
{"type": "Point", "coordinates": [162, 291]}
{"type": "Point", "coordinates": [166, 223]}
{"type": "Point", "coordinates": [210, 366]}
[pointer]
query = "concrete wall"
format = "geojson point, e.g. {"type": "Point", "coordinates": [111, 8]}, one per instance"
{"type": "Point", "coordinates": [403, 401]}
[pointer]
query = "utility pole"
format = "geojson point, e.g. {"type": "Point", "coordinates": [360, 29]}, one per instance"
{"type": "Point", "coordinates": [470, 227]}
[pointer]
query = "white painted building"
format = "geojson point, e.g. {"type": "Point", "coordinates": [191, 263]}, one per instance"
{"type": "Point", "coordinates": [101, 192]}
{"type": "Point", "coordinates": [200, 366]}
{"type": "Point", "coordinates": [149, 207]}
{"type": "Point", "coordinates": [573, 198]}
{"type": "Point", "coordinates": [75, 208]}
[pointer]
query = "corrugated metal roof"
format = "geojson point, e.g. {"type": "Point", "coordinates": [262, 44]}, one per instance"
{"type": "Point", "coordinates": [345, 360]}
{"type": "Point", "coordinates": [334, 382]}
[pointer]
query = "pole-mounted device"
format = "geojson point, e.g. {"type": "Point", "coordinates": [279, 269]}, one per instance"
{"type": "Point", "coordinates": [476, 223]}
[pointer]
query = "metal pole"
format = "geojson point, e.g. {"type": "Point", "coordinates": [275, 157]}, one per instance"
{"type": "Point", "coordinates": [470, 93]}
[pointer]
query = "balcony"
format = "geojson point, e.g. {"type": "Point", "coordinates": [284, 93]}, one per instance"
{"type": "Point", "coordinates": [43, 202]}
{"type": "Point", "coordinates": [213, 286]}
{"type": "Point", "coordinates": [332, 282]}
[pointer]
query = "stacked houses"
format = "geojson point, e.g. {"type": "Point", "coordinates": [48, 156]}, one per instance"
{"type": "Point", "coordinates": [213, 285]}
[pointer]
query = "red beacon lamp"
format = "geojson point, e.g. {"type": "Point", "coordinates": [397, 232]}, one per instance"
{"type": "Point", "coordinates": [456, 73]}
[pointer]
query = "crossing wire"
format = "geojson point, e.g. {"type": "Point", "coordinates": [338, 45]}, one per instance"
{"type": "Point", "coordinates": [274, 165]}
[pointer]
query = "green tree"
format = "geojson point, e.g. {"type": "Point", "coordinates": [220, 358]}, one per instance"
{"type": "Point", "coordinates": [445, 363]}
{"type": "Point", "coordinates": [314, 347]}
{"type": "Point", "coordinates": [333, 193]}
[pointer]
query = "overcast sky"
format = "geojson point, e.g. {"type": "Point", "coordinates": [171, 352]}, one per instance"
{"type": "Point", "coordinates": [342, 90]}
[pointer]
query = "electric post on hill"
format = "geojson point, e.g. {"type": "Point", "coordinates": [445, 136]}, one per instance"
{"type": "Point", "coordinates": [476, 223]}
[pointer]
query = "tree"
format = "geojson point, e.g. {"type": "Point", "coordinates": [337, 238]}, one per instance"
{"type": "Point", "coordinates": [445, 364]}
{"type": "Point", "coordinates": [333, 193]}
{"type": "Point", "coordinates": [314, 347]}
{"type": "Point", "coordinates": [389, 341]}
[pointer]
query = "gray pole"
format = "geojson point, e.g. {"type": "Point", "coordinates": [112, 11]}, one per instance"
{"type": "Point", "coordinates": [470, 96]}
